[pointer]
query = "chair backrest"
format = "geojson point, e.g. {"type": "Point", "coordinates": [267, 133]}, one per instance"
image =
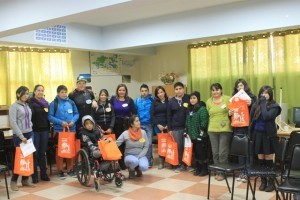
{"type": "Point", "coordinates": [283, 145]}
{"type": "Point", "coordinates": [239, 145]}
{"type": "Point", "coordinates": [295, 162]}
{"type": "Point", "coordinates": [294, 139]}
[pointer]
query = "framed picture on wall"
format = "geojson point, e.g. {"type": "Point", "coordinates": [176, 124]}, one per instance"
{"type": "Point", "coordinates": [105, 64]}
{"type": "Point", "coordinates": [126, 78]}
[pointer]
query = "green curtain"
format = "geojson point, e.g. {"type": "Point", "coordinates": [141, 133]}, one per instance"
{"type": "Point", "coordinates": [228, 60]}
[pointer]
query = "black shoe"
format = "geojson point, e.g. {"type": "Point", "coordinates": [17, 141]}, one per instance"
{"type": "Point", "coordinates": [270, 186]}
{"type": "Point", "coordinates": [35, 179]}
{"type": "Point", "coordinates": [196, 172]}
{"type": "Point", "coordinates": [263, 184]}
{"type": "Point", "coordinates": [45, 178]}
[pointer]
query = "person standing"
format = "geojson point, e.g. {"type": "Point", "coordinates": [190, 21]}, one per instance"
{"type": "Point", "coordinates": [143, 105]}
{"type": "Point", "coordinates": [84, 100]}
{"type": "Point", "coordinates": [219, 129]}
{"type": "Point", "coordinates": [241, 84]}
{"type": "Point", "coordinates": [20, 120]}
{"type": "Point", "coordinates": [63, 114]}
{"type": "Point", "coordinates": [196, 128]}
{"type": "Point", "coordinates": [124, 108]}
{"type": "Point", "coordinates": [264, 132]}
{"type": "Point", "coordinates": [104, 114]}
{"type": "Point", "coordinates": [159, 116]}
{"type": "Point", "coordinates": [176, 115]}
{"type": "Point", "coordinates": [41, 128]}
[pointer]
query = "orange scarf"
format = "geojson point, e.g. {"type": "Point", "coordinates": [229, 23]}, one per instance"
{"type": "Point", "coordinates": [135, 136]}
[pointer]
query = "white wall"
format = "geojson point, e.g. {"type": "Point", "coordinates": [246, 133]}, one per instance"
{"type": "Point", "coordinates": [169, 58]}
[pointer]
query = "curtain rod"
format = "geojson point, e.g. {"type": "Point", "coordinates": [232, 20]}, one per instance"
{"type": "Point", "coordinates": [28, 49]}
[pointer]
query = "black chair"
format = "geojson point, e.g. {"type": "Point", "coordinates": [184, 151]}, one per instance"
{"type": "Point", "coordinates": [7, 151]}
{"type": "Point", "coordinates": [3, 170]}
{"type": "Point", "coordinates": [239, 147]}
{"type": "Point", "coordinates": [291, 184]}
{"type": "Point", "coordinates": [281, 158]}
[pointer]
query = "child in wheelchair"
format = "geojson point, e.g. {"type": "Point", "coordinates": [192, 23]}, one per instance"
{"type": "Point", "coordinates": [107, 170]}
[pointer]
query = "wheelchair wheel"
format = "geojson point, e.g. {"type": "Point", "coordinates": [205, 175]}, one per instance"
{"type": "Point", "coordinates": [97, 184]}
{"type": "Point", "coordinates": [118, 181]}
{"type": "Point", "coordinates": [82, 166]}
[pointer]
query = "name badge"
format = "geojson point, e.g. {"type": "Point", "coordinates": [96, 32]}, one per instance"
{"type": "Point", "coordinates": [70, 111]}
{"type": "Point", "coordinates": [223, 106]}
{"type": "Point", "coordinates": [124, 105]}
{"type": "Point", "coordinates": [46, 109]}
{"type": "Point", "coordinates": [142, 140]}
{"type": "Point", "coordinates": [108, 109]}
{"type": "Point", "coordinates": [185, 105]}
{"type": "Point", "coordinates": [88, 101]}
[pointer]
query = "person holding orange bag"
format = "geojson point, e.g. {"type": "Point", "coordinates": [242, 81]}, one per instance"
{"type": "Point", "coordinates": [20, 120]}
{"type": "Point", "coordinates": [63, 114]}
{"type": "Point", "coordinates": [136, 147]}
{"type": "Point", "coordinates": [196, 128]}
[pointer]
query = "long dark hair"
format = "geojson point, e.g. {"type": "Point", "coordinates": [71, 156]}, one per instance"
{"type": "Point", "coordinates": [105, 92]}
{"type": "Point", "coordinates": [246, 86]}
{"type": "Point", "coordinates": [35, 88]}
{"type": "Point", "coordinates": [195, 107]}
{"type": "Point", "coordinates": [21, 91]}
{"type": "Point", "coordinates": [271, 101]}
{"type": "Point", "coordinates": [156, 92]}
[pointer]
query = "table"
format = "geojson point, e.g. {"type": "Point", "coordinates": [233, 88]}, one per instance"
{"type": "Point", "coordinates": [287, 133]}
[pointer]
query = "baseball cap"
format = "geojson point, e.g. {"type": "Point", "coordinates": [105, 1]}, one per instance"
{"type": "Point", "coordinates": [80, 78]}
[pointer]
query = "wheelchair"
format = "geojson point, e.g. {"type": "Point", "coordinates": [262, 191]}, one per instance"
{"type": "Point", "coordinates": [85, 166]}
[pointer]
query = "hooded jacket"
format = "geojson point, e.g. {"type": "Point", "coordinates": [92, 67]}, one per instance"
{"type": "Point", "coordinates": [90, 137]}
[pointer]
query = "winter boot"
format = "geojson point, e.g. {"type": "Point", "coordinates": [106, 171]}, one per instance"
{"type": "Point", "coordinates": [263, 184]}
{"type": "Point", "coordinates": [204, 170]}
{"type": "Point", "coordinates": [270, 187]}
{"type": "Point", "coordinates": [161, 162]}
{"type": "Point", "coordinates": [14, 186]}
{"type": "Point", "coordinates": [198, 169]}
{"type": "Point", "coordinates": [131, 174]}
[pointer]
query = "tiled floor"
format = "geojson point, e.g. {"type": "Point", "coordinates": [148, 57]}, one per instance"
{"type": "Point", "coordinates": [154, 184]}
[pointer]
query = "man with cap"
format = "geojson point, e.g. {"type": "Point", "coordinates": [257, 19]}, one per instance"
{"type": "Point", "coordinates": [84, 100]}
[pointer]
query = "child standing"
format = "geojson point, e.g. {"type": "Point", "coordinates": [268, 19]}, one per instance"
{"type": "Point", "coordinates": [196, 127]}
{"type": "Point", "coordinates": [176, 114]}
{"type": "Point", "coordinates": [63, 113]}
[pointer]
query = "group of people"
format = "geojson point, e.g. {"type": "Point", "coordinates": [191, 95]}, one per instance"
{"type": "Point", "coordinates": [134, 122]}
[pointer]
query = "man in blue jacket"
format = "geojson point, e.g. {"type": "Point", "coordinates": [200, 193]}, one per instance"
{"type": "Point", "coordinates": [143, 106]}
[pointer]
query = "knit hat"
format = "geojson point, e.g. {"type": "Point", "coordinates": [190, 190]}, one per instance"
{"type": "Point", "coordinates": [196, 94]}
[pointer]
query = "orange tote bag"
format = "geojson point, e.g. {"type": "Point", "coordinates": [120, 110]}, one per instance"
{"type": "Point", "coordinates": [162, 143]}
{"type": "Point", "coordinates": [23, 165]}
{"type": "Point", "coordinates": [109, 150]}
{"type": "Point", "coordinates": [240, 117]}
{"type": "Point", "coordinates": [111, 135]}
{"type": "Point", "coordinates": [187, 151]}
{"type": "Point", "coordinates": [66, 144]}
{"type": "Point", "coordinates": [172, 152]}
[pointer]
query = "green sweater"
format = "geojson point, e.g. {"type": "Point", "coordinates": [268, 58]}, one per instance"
{"type": "Point", "coordinates": [218, 115]}
{"type": "Point", "coordinates": [196, 121]}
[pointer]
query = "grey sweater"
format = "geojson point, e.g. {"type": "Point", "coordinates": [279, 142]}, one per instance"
{"type": "Point", "coordinates": [136, 148]}
{"type": "Point", "coordinates": [20, 119]}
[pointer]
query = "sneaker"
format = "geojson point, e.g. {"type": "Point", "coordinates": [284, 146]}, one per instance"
{"type": "Point", "coordinates": [71, 173]}
{"type": "Point", "coordinates": [179, 169]}
{"type": "Point", "coordinates": [61, 174]}
{"type": "Point", "coordinates": [220, 177]}
{"type": "Point", "coordinates": [139, 173]}
{"type": "Point", "coordinates": [14, 186]}
{"type": "Point", "coordinates": [26, 183]}
{"type": "Point", "coordinates": [190, 169]}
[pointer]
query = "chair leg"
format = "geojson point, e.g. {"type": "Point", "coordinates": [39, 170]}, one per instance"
{"type": "Point", "coordinates": [7, 192]}
{"type": "Point", "coordinates": [248, 182]}
{"type": "Point", "coordinates": [209, 175]}
{"type": "Point", "coordinates": [227, 183]}
{"type": "Point", "coordinates": [254, 188]}
{"type": "Point", "coordinates": [233, 180]}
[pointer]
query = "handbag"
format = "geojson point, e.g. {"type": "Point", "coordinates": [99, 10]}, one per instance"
{"type": "Point", "coordinates": [66, 144]}
{"type": "Point", "coordinates": [162, 139]}
{"type": "Point", "coordinates": [111, 135]}
{"type": "Point", "coordinates": [240, 117]}
{"type": "Point", "coordinates": [109, 150]}
{"type": "Point", "coordinates": [23, 165]}
{"type": "Point", "coordinates": [187, 151]}
{"type": "Point", "coordinates": [172, 152]}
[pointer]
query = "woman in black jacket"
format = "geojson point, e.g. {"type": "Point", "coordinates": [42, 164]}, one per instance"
{"type": "Point", "coordinates": [41, 127]}
{"type": "Point", "coordinates": [264, 132]}
{"type": "Point", "coordinates": [104, 114]}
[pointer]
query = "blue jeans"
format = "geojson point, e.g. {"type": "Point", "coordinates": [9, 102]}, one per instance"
{"type": "Point", "coordinates": [17, 141]}
{"type": "Point", "coordinates": [149, 131]}
{"type": "Point", "coordinates": [40, 143]}
{"type": "Point", "coordinates": [132, 162]}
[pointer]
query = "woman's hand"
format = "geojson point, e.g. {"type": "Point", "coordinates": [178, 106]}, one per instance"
{"type": "Point", "coordinates": [94, 104]}
{"type": "Point", "coordinates": [24, 140]}
{"type": "Point", "coordinates": [230, 112]}
{"type": "Point", "coordinates": [64, 124]}
{"type": "Point", "coordinates": [108, 131]}
{"type": "Point", "coordinates": [249, 101]}
{"type": "Point", "coordinates": [160, 127]}
{"type": "Point", "coordinates": [71, 124]}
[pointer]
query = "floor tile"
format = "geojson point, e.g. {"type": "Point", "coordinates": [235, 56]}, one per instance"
{"type": "Point", "coordinates": [147, 193]}
{"type": "Point", "coordinates": [89, 195]}
{"type": "Point", "coordinates": [59, 192]}
{"type": "Point", "coordinates": [181, 196]}
{"type": "Point", "coordinates": [173, 185]}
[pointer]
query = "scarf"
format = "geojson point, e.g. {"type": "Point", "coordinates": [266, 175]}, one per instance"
{"type": "Point", "coordinates": [38, 103]}
{"type": "Point", "coordinates": [135, 136]}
